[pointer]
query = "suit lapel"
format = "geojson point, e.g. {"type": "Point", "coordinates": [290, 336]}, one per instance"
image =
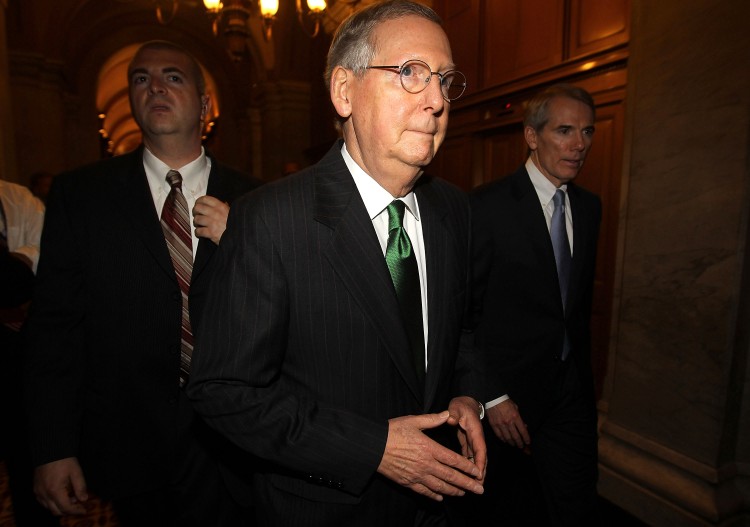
{"type": "Point", "coordinates": [137, 204]}
{"type": "Point", "coordinates": [355, 255]}
{"type": "Point", "coordinates": [437, 242]}
{"type": "Point", "coordinates": [217, 187]}
{"type": "Point", "coordinates": [531, 217]}
{"type": "Point", "coordinates": [582, 225]}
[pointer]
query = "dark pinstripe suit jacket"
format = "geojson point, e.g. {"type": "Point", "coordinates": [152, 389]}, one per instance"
{"type": "Point", "coordinates": [104, 329]}
{"type": "Point", "coordinates": [304, 356]}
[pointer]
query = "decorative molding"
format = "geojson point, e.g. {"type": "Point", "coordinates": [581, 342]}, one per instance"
{"type": "Point", "coordinates": [681, 488]}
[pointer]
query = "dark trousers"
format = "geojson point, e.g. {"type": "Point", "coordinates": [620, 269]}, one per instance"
{"type": "Point", "coordinates": [564, 453]}
{"type": "Point", "coordinates": [196, 495]}
{"type": "Point", "coordinates": [553, 483]}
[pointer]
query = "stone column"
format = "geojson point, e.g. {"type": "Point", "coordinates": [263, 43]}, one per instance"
{"type": "Point", "coordinates": [41, 116]}
{"type": "Point", "coordinates": [675, 416]}
{"type": "Point", "coordinates": [281, 126]}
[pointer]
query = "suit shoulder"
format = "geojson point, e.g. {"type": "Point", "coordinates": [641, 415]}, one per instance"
{"type": "Point", "coordinates": [235, 181]}
{"type": "Point", "coordinates": [588, 198]}
{"type": "Point", "coordinates": [100, 170]}
{"type": "Point", "coordinates": [492, 190]}
{"type": "Point", "coordinates": [587, 194]}
{"type": "Point", "coordinates": [279, 193]}
{"type": "Point", "coordinates": [444, 194]}
{"type": "Point", "coordinates": [442, 187]}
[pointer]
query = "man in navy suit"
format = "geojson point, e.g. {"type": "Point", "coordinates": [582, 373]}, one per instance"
{"type": "Point", "coordinates": [533, 318]}
{"type": "Point", "coordinates": [105, 402]}
{"type": "Point", "coordinates": [308, 360]}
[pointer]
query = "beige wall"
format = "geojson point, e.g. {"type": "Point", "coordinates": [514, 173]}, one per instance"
{"type": "Point", "coordinates": [675, 444]}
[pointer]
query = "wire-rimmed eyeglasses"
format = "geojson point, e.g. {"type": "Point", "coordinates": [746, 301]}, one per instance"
{"type": "Point", "coordinates": [415, 75]}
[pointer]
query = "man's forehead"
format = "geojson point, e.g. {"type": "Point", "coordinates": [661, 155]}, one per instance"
{"type": "Point", "coordinates": [150, 67]}
{"type": "Point", "coordinates": [393, 43]}
{"type": "Point", "coordinates": [161, 57]}
{"type": "Point", "coordinates": [564, 108]}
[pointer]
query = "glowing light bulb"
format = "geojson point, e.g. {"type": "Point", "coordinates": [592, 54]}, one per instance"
{"type": "Point", "coordinates": [316, 6]}
{"type": "Point", "coordinates": [269, 8]}
{"type": "Point", "coordinates": [212, 5]}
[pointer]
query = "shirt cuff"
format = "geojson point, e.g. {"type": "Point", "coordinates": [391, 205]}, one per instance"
{"type": "Point", "coordinates": [495, 402]}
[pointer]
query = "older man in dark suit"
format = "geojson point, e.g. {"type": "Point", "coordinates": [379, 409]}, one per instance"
{"type": "Point", "coordinates": [533, 299]}
{"type": "Point", "coordinates": [332, 345]}
{"type": "Point", "coordinates": [121, 286]}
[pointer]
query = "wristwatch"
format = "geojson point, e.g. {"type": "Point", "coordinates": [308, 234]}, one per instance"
{"type": "Point", "coordinates": [481, 410]}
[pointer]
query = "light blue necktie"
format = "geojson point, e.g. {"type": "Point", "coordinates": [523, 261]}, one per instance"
{"type": "Point", "coordinates": [560, 244]}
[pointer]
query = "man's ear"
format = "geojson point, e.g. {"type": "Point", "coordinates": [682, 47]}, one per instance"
{"type": "Point", "coordinates": [530, 135]}
{"type": "Point", "coordinates": [341, 86]}
{"type": "Point", "coordinates": [205, 106]}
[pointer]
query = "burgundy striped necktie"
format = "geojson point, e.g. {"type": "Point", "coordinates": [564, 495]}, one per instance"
{"type": "Point", "coordinates": [175, 222]}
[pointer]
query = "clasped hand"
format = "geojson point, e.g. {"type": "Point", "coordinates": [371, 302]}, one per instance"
{"type": "Point", "coordinates": [417, 462]}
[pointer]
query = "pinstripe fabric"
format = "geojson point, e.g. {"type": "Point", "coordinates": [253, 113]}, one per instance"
{"type": "Point", "coordinates": [175, 222]}
{"type": "Point", "coordinates": [303, 357]}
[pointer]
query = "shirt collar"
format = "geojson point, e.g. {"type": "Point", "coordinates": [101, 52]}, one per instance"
{"type": "Point", "coordinates": [192, 180]}
{"type": "Point", "coordinates": [375, 197]}
{"type": "Point", "coordinates": [543, 186]}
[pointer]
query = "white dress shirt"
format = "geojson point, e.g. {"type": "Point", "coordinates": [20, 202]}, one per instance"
{"type": "Point", "coordinates": [24, 219]}
{"type": "Point", "coordinates": [194, 183]}
{"type": "Point", "coordinates": [546, 191]}
{"type": "Point", "coordinates": [376, 200]}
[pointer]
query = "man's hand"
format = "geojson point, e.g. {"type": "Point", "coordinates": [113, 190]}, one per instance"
{"type": "Point", "coordinates": [60, 487]}
{"type": "Point", "coordinates": [417, 462]}
{"type": "Point", "coordinates": [464, 414]}
{"type": "Point", "coordinates": [507, 424]}
{"type": "Point", "coordinates": [210, 218]}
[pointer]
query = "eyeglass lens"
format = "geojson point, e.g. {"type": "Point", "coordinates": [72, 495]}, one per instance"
{"type": "Point", "coordinates": [416, 75]}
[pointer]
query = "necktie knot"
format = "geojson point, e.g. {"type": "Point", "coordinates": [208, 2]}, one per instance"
{"type": "Point", "coordinates": [559, 200]}
{"type": "Point", "coordinates": [396, 211]}
{"type": "Point", "coordinates": [174, 179]}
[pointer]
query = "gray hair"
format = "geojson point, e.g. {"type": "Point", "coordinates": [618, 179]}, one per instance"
{"type": "Point", "coordinates": [353, 46]}
{"type": "Point", "coordinates": [536, 114]}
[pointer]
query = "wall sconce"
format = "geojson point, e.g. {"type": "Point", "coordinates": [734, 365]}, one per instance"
{"type": "Point", "coordinates": [315, 10]}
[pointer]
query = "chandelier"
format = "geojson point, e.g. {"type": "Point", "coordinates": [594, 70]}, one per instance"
{"type": "Point", "coordinates": [231, 17]}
